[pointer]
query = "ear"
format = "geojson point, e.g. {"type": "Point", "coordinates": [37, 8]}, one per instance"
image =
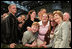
{"type": "Point", "coordinates": [9, 9]}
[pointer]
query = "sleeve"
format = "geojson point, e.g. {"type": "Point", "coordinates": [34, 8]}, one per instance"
{"type": "Point", "coordinates": [25, 38]}
{"type": "Point", "coordinates": [70, 32]}
{"type": "Point", "coordinates": [64, 30]}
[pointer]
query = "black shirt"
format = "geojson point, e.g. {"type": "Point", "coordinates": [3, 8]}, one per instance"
{"type": "Point", "coordinates": [28, 23]}
{"type": "Point", "coordinates": [10, 34]}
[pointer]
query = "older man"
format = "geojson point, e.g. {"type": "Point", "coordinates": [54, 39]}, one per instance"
{"type": "Point", "coordinates": [66, 17]}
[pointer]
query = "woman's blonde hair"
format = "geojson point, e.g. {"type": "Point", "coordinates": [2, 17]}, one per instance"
{"type": "Point", "coordinates": [59, 13]}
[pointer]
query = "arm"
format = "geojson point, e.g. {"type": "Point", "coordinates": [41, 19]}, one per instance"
{"type": "Point", "coordinates": [42, 44]}
{"type": "Point", "coordinates": [25, 39]}
{"type": "Point", "coordinates": [70, 32]}
{"type": "Point", "coordinates": [27, 45]}
{"type": "Point", "coordinates": [33, 44]}
{"type": "Point", "coordinates": [49, 45]}
{"type": "Point", "coordinates": [29, 28]}
{"type": "Point", "coordinates": [12, 45]}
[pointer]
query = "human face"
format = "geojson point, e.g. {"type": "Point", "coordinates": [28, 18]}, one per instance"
{"type": "Point", "coordinates": [33, 15]}
{"type": "Point", "coordinates": [53, 23]}
{"type": "Point", "coordinates": [34, 28]}
{"type": "Point", "coordinates": [23, 17]}
{"type": "Point", "coordinates": [44, 18]}
{"type": "Point", "coordinates": [65, 16]}
{"type": "Point", "coordinates": [57, 18]}
{"type": "Point", "coordinates": [19, 19]}
{"type": "Point", "coordinates": [13, 9]}
{"type": "Point", "coordinates": [50, 17]}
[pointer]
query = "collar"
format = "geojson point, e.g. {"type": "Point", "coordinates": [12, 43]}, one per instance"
{"type": "Point", "coordinates": [42, 24]}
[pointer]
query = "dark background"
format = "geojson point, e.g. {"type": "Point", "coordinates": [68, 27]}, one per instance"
{"type": "Point", "coordinates": [25, 6]}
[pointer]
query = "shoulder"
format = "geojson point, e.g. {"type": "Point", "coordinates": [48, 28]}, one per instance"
{"type": "Point", "coordinates": [69, 23]}
{"type": "Point", "coordinates": [10, 15]}
{"type": "Point", "coordinates": [64, 24]}
{"type": "Point", "coordinates": [40, 22]}
{"type": "Point", "coordinates": [27, 33]}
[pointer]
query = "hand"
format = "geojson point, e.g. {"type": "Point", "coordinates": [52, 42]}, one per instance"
{"type": "Point", "coordinates": [12, 45]}
{"type": "Point", "coordinates": [51, 36]}
{"type": "Point", "coordinates": [52, 32]}
{"type": "Point", "coordinates": [29, 28]}
{"type": "Point", "coordinates": [27, 45]}
{"type": "Point", "coordinates": [44, 46]}
{"type": "Point", "coordinates": [40, 46]}
{"type": "Point", "coordinates": [32, 45]}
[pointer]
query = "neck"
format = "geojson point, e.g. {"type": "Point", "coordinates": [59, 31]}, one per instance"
{"type": "Point", "coordinates": [33, 32]}
{"type": "Point", "coordinates": [59, 21]}
{"type": "Point", "coordinates": [32, 19]}
{"type": "Point", "coordinates": [67, 20]}
{"type": "Point", "coordinates": [12, 13]}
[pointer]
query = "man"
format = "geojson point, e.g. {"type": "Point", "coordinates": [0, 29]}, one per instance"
{"type": "Point", "coordinates": [20, 28]}
{"type": "Point", "coordinates": [10, 36]}
{"type": "Point", "coordinates": [66, 17]}
{"type": "Point", "coordinates": [30, 36]}
{"type": "Point", "coordinates": [23, 19]}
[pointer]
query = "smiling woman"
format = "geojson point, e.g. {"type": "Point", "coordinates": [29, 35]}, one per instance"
{"type": "Point", "coordinates": [61, 30]}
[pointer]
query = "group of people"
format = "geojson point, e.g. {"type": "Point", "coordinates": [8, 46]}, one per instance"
{"type": "Point", "coordinates": [48, 30]}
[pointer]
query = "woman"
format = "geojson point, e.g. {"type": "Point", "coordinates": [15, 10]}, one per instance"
{"type": "Point", "coordinates": [53, 23]}
{"type": "Point", "coordinates": [60, 32]}
{"type": "Point", "coordinates": [30, 19]}
{"type": "Point", "coordinates": [44, 32]}
{"type": "Point", "coordinates": [50, 33]}
{"type": "Point", "coordinates": [44, 27]}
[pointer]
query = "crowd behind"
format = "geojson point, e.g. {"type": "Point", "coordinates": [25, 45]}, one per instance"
{"type": "Point", "coordinates": [47, 30]}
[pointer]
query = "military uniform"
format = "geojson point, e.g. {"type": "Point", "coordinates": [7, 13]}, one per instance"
{"type": "Point", "coordinates": [28, 37]}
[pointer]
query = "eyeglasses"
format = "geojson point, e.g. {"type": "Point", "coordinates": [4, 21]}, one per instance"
{"type": "Point", "coordinates": [44, 15]}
